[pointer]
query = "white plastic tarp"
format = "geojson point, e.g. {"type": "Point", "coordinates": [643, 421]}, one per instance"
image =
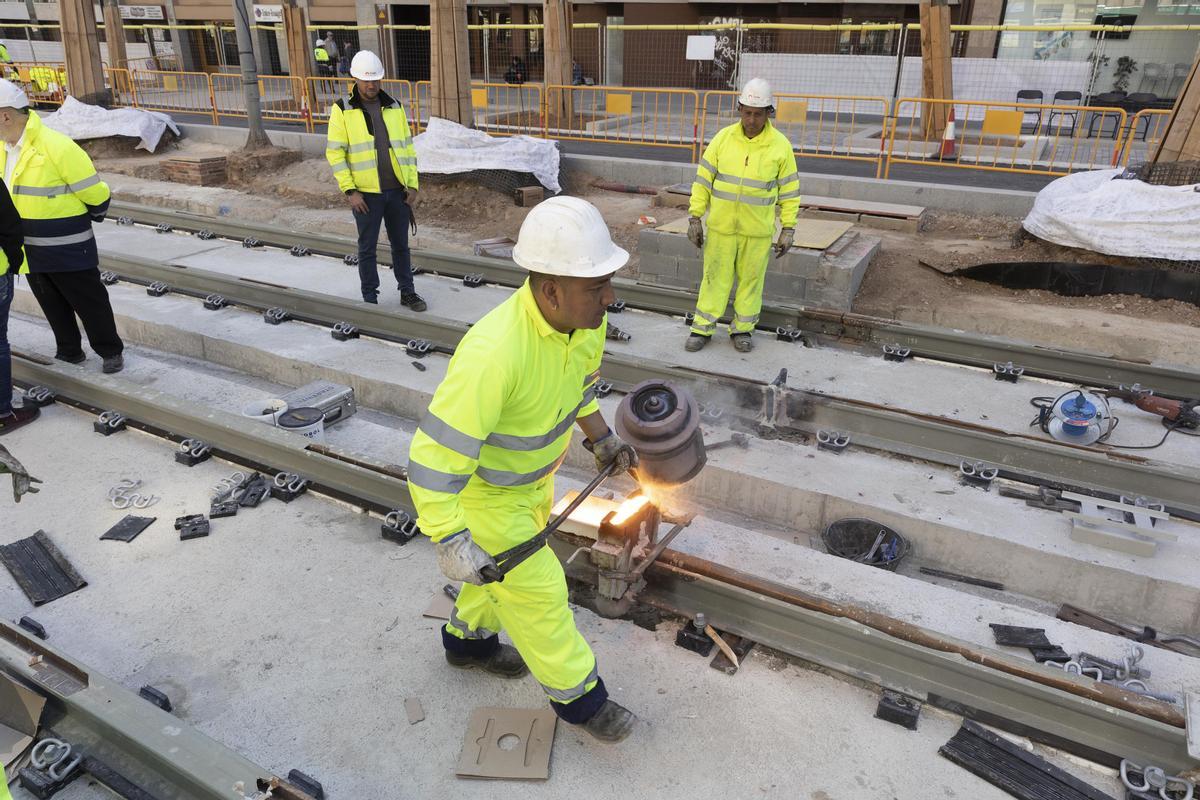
{"type": "Point", "coordinates": [447, 148]}
{"type": "Point", "coordinates": [1092, 211]}
{"type": "Point", "coordinates": [83, 121]}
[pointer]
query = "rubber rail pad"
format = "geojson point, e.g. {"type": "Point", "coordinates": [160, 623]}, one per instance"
{"type": "Point", "coordinates": [40, 569]}
{"type": "Point", "coordinates": [1011, 768]}
{"type": "Point", "coordinates": [1016, 636]}
{"type": "Point", "coordinates": [128, 529]}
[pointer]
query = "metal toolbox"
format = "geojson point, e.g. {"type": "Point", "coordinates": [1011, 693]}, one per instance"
{"type": "Point", "coordinates": [334, 400]}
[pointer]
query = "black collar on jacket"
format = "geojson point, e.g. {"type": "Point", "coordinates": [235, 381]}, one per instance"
{"type": "Point", "coordinates": [354, 101]}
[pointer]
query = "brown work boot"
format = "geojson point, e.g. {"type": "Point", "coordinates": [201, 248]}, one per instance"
{"type": "Point", "coordinates": [742, 342]}
{"type": "Point", "coordinates": [695, 343]}
{"type": "Point", "coordinates": [612, 723]}
{"type": "Point", "coordinates": [505, 661]}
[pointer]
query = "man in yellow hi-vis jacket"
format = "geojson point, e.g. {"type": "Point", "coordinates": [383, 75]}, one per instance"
{"type": "Point", "coordinates": [59, 194]}
{"type": "Point", "coordinates": [747, 170]}
{"type": "Point", "coordinates": [371, 151]}
{"type": "Point", "coordinates": [481, 468]}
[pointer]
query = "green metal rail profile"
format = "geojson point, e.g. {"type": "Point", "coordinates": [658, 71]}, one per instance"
{"type": "Point", "coordinates": [1072, 712]}
{"type": "Point", "coordinates": [940, 344]}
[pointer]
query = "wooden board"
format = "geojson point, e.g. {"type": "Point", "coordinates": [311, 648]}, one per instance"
{"type": "Point", "coordinates": [898, 210]}
{"type": "Point", "coordinates": [1181, 140]}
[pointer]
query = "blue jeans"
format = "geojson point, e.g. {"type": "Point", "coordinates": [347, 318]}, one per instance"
{"type": "Point", "coordinates": [390, 209]}
{"type": "Point", "coordinates": [6, 295]}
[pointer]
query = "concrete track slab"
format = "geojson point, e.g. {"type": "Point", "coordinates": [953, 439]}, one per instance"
{"type": "Point", "coordinates": [944, 390]}
{"type": "Point", "coordinates": [290, 611]}
{"type": "Point", "coordinates": [956, 528]}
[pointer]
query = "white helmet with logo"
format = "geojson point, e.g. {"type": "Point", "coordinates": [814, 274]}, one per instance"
{"type": "Point", "coordinates": [12, 96]}
{"type": "Point", "coordinates": [366, 66]}
{"type": "Point", "coordinates": [567, 236]}
{"type": "Point", "coordinates": [756, 94]}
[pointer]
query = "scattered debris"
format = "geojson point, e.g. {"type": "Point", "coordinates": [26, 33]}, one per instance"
{"type": "Point", "coordinates": [1178, 643]}
{"type": "Point", "coordinates": [128, 528]}
{"type": "Point", "coordinates": [412, 707]}
{"type": "Point", "coordinates": [865, 541]}
{"type": "Point", "coordinates": [646, 219]}
{"type": "Point", "coordinates": [40, 569]}
{"type": "Point", "coordinates": [442, 603]}
{"type": "Point", "coordinates": [1013, 769]}
{"type": "Point", "coordinates": [310, 786]}
{"type": "Point", "coordinates": [192, 526]}
{"type": "Point", "coordinates": [156, 696]}
{"type": "Point", "coordinates": [1033, 639]}
{"type": "Point", "coordinates": [508, 743]}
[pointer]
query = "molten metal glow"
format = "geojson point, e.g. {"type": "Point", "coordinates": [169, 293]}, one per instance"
{"type": "Point", "coordinates": [630, 509]}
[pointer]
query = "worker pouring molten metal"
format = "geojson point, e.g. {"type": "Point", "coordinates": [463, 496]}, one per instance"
{"type": "Point", "coordinates": [482, 464]}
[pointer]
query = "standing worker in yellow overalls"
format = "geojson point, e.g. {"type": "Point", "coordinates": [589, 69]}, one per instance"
{"type": "Point", "coordinates": [321, 56]}
{"type": "Point", "coordinates": [481, 467]}
{"type": "Point", "coordinates": [747, 171]}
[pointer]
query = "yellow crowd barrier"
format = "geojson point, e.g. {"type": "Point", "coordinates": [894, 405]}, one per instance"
{"type": "Point", "coordinates": [43, 81]}
{"type": "Point", "coordinates": [846, 127]}
{"type": "Point", "coordinates": [282, 97]}
{"type": "Point", "coordinates": [501, 109]}
{"type": "Point", "coordinates": [120, 83]}
{"type": "Point", "coordinates": [1036, 138]}
{"type": "Point", "coordinates": [324, 92]}
{"type": "Point", "coordinates": [1146, 130]}
{"type": "Point", "coordinates": [647, 117]}
{"type": "Point", "coordinates": [181, 92]}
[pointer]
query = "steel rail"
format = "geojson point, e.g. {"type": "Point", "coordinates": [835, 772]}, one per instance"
{"type": "Point", "coordinates": [1099, 721]}
{"type": "Point", "coordinates": [159, 753]}
{"type": "Point", "coordinates": [892, 430]}
{"type": "Point", "coordinates": [940, 344]}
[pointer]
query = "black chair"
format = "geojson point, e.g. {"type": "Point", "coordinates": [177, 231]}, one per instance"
{"type": "Point", "coordinates": [1137, 102]}
{"type": "Point", "coordinates": [1106, 99]}
{"type": "Point", "coordinates": [1031, 96]}
{"type": "Point", "coordinates": [1065, 98]}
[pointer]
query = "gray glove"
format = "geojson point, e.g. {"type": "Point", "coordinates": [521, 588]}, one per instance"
{"type": "Point", "coordinates": [696, 231]}
{"type": "Point", "coordinates": [460, 559]}
{"type": "Point", "coordinates": [22, 481]}
{"type": "Point", "coordinates": [784, 242]}
{"type": "Point", "coordinates": [610, 448]}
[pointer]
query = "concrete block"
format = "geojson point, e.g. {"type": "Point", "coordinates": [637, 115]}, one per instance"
{"type": "Point", "coordinates": [691, 267]}
{"type": "Point", "coordinates": [658, 264]}
{"type": "Point", "coordinates": [799, 261]}
{"type": "Point", "coordinates": [784, 288]}
{"type": "Point", "coordinates": [905, 224]}
{"type": "Point", "coordinates": [647, 241]}
{"type": "Point", "coordinates": [817, 213]}
{"type": "Point", "coordinates": [676, 244]}
{"type": "Point", "coordinates": [819, 295]}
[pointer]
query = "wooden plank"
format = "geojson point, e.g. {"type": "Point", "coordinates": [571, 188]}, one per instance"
{"type": "Point", "coordinates": [860, 206]}
{"type": "Point", "coordinates": [1181, 140]}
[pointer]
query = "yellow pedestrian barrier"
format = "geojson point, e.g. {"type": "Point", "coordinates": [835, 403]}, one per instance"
{"type": "Point", "coordinates": [647, 117]}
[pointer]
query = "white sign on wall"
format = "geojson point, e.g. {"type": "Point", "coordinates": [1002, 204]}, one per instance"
{"type": "Point", "coordinates": [701, 48]}
{"type": "Point", "coordinates": [141, 12]}
{"type": "Point", "coordinates": [268, 13]}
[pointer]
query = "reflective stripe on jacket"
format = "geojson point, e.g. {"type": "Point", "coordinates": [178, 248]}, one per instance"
{"type": "Point", "coordinates": [739, 181]}
{"type": "Point", "coordinates": [58, 193]}
{"type": "Point", "coordinates": [350, 144]}
{"type": "Point", "coordinates": [500, 422]}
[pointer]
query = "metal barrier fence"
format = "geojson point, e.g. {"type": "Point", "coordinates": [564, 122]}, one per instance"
{"type": "Point", "coordinates": [1032, 138]}
{"type": "Point", "coordinates": [44, 82]}
{"type": "Point", "coordinates": [283, 98]}
{"type": "Point", "coordinates": [181, 92]}
{"type": "Point", "coordinates": [120, 83]}
{"type": "Point", "coordinates": [818, 126]}
{"type": "Point", "coordinates": [647, 117]}
{"type": "Point", "coordinates": [1151, 124]}
{"type": "Point", "coordinates": [501, 109]}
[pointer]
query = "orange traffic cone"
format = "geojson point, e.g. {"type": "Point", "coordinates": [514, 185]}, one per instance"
{"type": "Point", "coordinates": [946, 153]}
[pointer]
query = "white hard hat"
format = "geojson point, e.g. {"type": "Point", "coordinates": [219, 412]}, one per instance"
{"type": "Point", "coordinates": [567, 236]}
{"type": "Point", "coordinates": [318, 42]}
{"type": "Point", "coordinates": [756, 94]}
{"type": "Point", "coordinates": [366, 66]}
{"type": "Point", "coordinates": [12, 96]}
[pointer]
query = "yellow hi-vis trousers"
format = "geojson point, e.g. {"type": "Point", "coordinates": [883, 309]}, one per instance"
{"type": "Point", "coordinates": [530, 604]}
{"type": "Point", "coordinates": [727, 256]}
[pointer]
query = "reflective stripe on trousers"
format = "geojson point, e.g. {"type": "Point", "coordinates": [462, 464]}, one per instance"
{"type": "Point", "coordinates": [727, 256]}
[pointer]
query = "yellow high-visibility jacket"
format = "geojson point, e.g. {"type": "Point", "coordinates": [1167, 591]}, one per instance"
{"type": "Point", "coordinates": [350, 144]}
{"type": "Point", "coordinates": [321, 54]}
{"type": "Point", "coordinates": [58, 194]}
{"type": "Point", "coordinates": [5, 58]}
{"type": "Point", "coordinates": [499, 425]}
{"type": "Point", "coordinates": [739, 182]}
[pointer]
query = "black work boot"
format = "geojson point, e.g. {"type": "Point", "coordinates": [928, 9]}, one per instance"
{"type": "Point", "coordinates": [612, 723]}
{"type": "Point", "coordinates": [113, 364]}
{"type": "Point", "coordinates": [72, 358]}
{"type": "Point", "coordinates": [412, 300]}
{"type": "Point", "coordinates": [742, 342]}
{"type": "Point", "coordinates": [504, 661]}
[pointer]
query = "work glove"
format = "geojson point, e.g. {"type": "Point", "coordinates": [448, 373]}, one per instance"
{"type": "Point", "coordinates": [22, 481]}
{"type": "Point", "coordinates": [784, 242]}
{"type": "Point", "coordinates": [611, 448]}
{"type": "Point", "coordinates": [696, 231]}
{"type": "Point", "coordinates": [460, 559]}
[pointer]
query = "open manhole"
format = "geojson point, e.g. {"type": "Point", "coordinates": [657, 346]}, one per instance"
{"type": "Point", "coordinates": [1090, 280]}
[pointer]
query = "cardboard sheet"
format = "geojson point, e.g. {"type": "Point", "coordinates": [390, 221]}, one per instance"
{"type": "Point", "coordinates": [508, 743]}
{"type": "Point", "coordinates": [20, 713]}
